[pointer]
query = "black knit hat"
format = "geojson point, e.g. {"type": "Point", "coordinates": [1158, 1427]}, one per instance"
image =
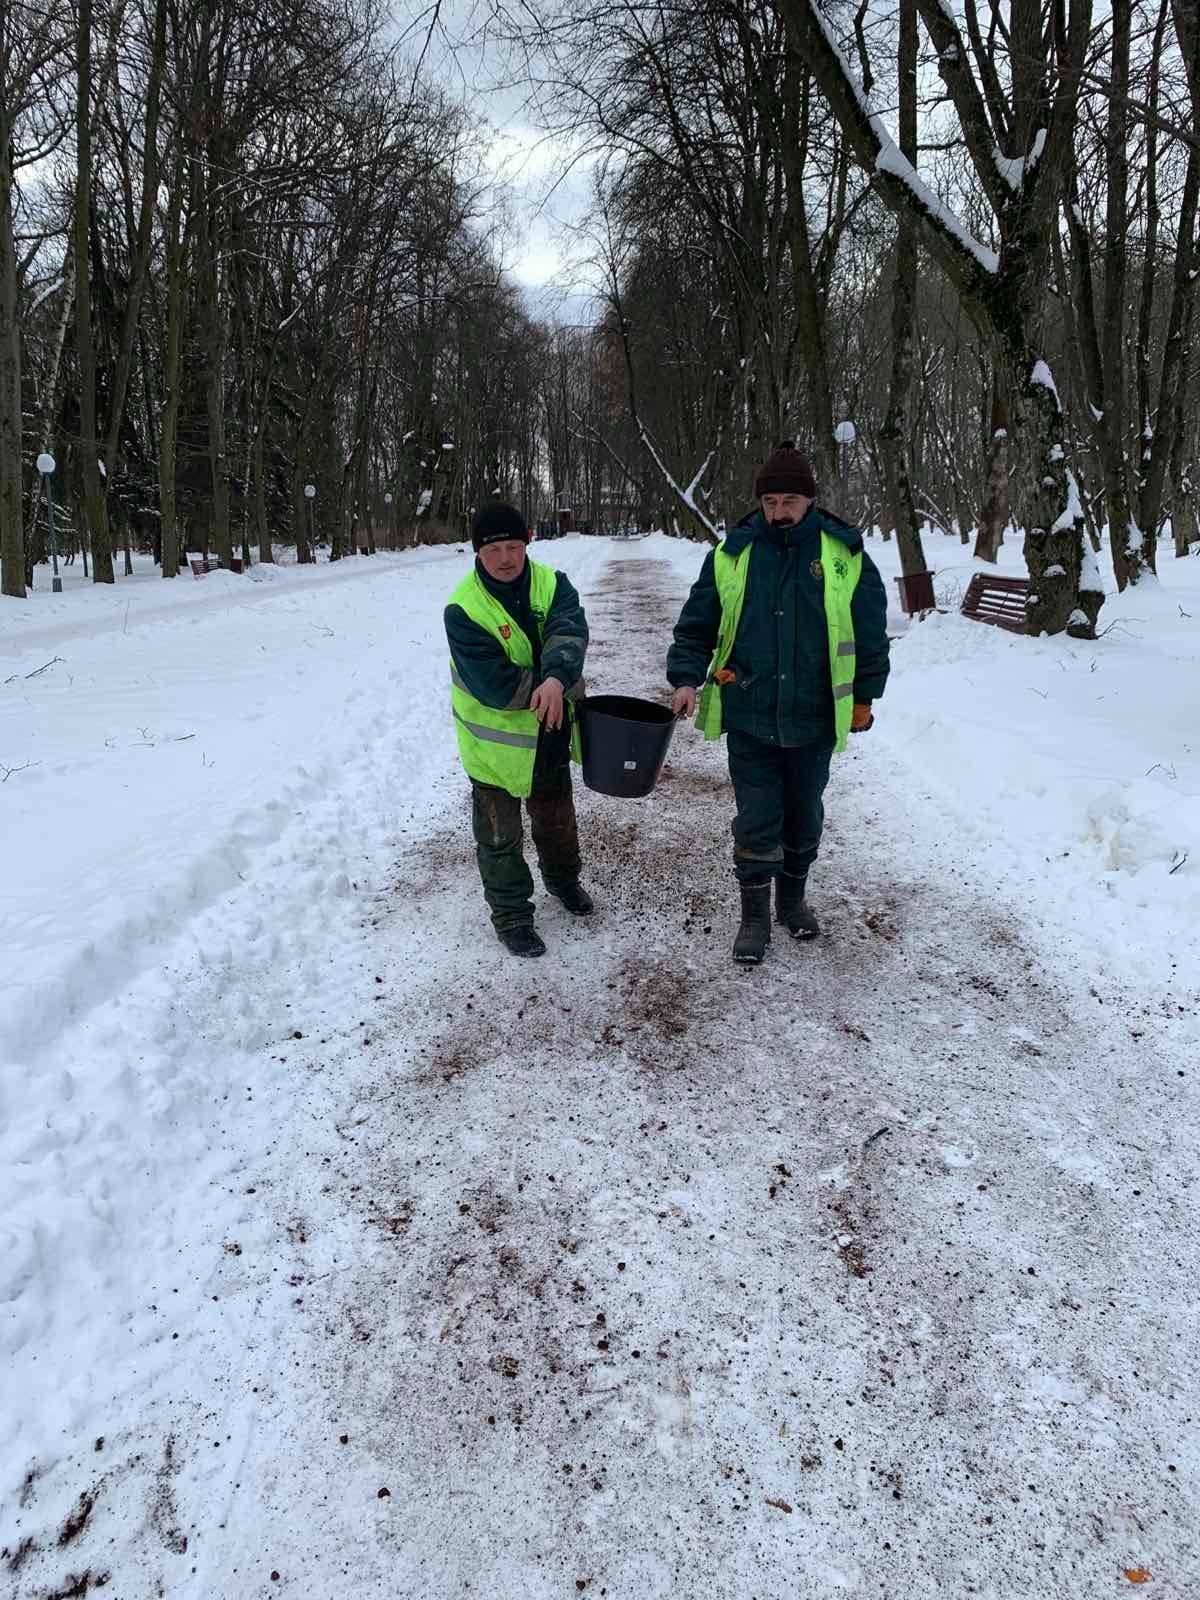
{"type": "Point", "coordinates": [786, 471]}
{"type": "Point", "coordinates": [495, 521]}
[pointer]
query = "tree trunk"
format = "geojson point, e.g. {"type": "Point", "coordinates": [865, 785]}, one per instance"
{"type": "Point", "coordinates": [217, 343]}
{"type": "Point", "coordinates": [12, 543]}
{"type": "Point", "coordinates": [1185, 528]}
{"type": "Point", "coordinates": [1150, 250]}
{"type": "Point", "coordinates": [141, 252]}
{"type": "Point", "coordinates": [1173, 377]}
{"type": "Point", "coordinates": [266, 552]}
{"type": "Point", "coordinates": [94, 507]}
{"type": "Point", "coordinates": [172, 376]}
{"type": "Point", "coordinates": [300, 518]}
{"type": "Point", "coordinates": [1065, 591]}
{"type": "Point", "coordinates": [893, 437]}
{"type": "Point", "coordinates": [1130, 554]}
{"type": "Point", "coordinates": [994, 515]}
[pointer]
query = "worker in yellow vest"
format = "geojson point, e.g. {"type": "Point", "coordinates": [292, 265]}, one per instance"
{"type": "Point", "coordinates": [517, 637]}
{"type": "Point", "coordinates": [782, 645]}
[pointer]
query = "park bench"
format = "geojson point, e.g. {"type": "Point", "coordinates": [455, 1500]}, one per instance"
{"type": "Point", "coordinates": [200, 565]}
{"type": "Point", "coordinates": [1000, 602]}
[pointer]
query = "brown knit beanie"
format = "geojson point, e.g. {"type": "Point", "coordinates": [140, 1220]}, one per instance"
{"type": "Point", "coordinates": [786, 471]}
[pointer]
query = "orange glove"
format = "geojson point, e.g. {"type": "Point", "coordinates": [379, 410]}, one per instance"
{"type": "Point", "coordinates": [862, 719]}
{"type": "Point", "coordinates": [723, 676]}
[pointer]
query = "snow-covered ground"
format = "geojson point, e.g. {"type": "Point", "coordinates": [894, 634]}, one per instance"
{"type": "Point", "coordinates": [341, 1256]}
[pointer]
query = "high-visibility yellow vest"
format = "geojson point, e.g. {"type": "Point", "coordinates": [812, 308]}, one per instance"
{"type": "Point", "coordinates": [500, 747]}
{"type": "Point", "coordinates": [841, 571]}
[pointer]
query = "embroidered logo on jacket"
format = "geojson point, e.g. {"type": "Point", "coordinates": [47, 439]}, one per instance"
{"type": "Point", "coordinates": [505, 631]}
{"type": "Point", "coordinates": [817, 570]}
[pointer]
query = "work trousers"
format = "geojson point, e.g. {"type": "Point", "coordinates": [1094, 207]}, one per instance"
{"type": "Point", "coordinates": [780, 806]}
{"type": "Point", "coordinates": [499, 836]}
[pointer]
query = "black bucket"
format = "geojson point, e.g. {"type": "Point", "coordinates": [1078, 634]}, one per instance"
{"type": "Point", "coordinates": [625, 742]}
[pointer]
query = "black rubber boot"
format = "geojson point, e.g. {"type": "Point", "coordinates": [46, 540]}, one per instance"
{"type": "Point", "coordinates": [523, 940]}
{"type": "Point", "coordinates": [576, 899]}
{"type": "Point", "coordinates": [754, 935]}
{"type": "Point", "coordinates": [792, 909]}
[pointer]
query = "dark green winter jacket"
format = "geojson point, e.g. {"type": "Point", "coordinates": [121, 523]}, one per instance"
{"type": "Point", "coordinates": [783, 692]}
{"type": "Point", "coordinates": [484, 667]}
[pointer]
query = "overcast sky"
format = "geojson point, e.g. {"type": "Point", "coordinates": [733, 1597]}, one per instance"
{"type": "Point", "coordinates": [541, 246]}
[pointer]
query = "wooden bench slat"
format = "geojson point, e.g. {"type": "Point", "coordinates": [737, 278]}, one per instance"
{"type": "Point", "coordinates": [997, 601]}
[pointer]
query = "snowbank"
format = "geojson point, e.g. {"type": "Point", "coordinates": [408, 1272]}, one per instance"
{"type": "Point", "coordinates": [1079, 761]}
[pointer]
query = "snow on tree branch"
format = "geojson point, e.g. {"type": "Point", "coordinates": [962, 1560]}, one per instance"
{"type": "Point", "coordinates": [1043, 378]}
{"type": "Point", "coordinates": [894, 176]}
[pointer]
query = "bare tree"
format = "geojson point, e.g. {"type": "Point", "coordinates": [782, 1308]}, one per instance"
{"type": "Point", "coordinates": [34, 57]}
{"type": "Point", "coordinates": [1018, 140]}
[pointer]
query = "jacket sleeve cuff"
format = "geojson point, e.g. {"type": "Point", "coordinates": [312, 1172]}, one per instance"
{"type": "Point", "coordinates": [868, 690]}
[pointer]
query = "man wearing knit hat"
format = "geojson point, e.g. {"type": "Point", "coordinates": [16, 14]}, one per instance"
{"type": "Point", "coordinates": [517, 636]}
{"type": "Point", "coordinates": [786, 630]}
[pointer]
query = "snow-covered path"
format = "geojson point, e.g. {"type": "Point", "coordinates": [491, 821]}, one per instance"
{"type": "Point", "coordinates": [627, 1272]}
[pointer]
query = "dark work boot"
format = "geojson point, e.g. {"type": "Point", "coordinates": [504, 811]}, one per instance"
{"type": "Point", "coordinates": [792, 909]}
{"type": "Point", "coordinates": [754, 935]}
{"type": "Point", "coordinates": [523, 940]}
{"type": "Point", "coordinates": [576, 899]}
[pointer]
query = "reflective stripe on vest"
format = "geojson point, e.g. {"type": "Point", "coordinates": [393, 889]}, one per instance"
{"type": "Point", "coordinates": [841, 571]}
{"type": "Point", "coordinates": [500, 747]}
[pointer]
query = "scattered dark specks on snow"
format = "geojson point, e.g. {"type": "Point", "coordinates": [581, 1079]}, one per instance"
{"type": "Point", "coordinates": [163, 1512]}
{"type": "Point", "coordinates": [77, 1520]}
{"type": "Point", "coordinates": [16, 1558]}
{"type": "Point", "coordinates": [779, 1505]}
{"type": "Point", "coordinates": [77, 1585]}
{"type": "Point", "coordinates": [881, 922]}
{"type": "Point", "coordinates": [394, 1220]}
{"type": "Point", "coordinates": [850, 1247]}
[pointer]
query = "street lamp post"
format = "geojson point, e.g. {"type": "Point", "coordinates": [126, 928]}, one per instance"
{"type": "Point", "coordinates": [845, 435]}
{"type": "Point", "coordinates": [46, 465]}
{"type": "Point", "coordinates": [310, 494]}
{"type": "Point", "coordinates": [387, 500]}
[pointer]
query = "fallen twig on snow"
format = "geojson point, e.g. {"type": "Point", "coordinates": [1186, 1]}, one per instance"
{"type": "Point", "coordinates": [878, 1134]}
{"type": "Point", "coordinates": [9, 771]}
{"type": "Point", "coordinates": [1180, 861]}
{"type": "Point", "coordinates": [37, 672]}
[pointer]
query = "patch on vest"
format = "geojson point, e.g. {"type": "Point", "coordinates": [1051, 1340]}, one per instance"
{"type": "Point", "coordinates": [505, 631]}
{"type": "Point", "coordinates": [840, 567]}
{"type": "Point", "coordinates": [817, 570]}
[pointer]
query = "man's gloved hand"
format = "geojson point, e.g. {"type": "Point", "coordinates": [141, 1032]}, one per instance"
{"type": "Point", "coordinates": [862, 719]}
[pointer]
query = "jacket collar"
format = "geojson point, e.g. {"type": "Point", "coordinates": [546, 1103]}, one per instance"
{"type": "Point", "coordinates": [754, 526]}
